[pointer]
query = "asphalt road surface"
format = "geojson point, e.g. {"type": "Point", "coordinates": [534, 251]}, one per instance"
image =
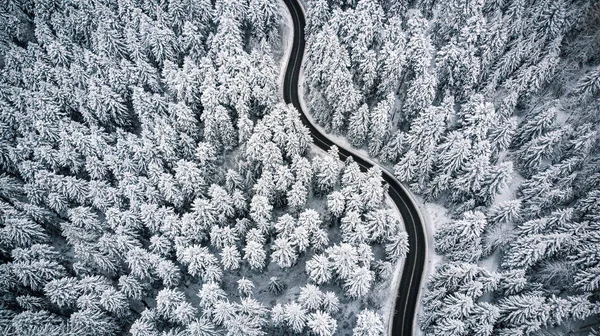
{"type": "Point", "coordinates": [408, 291]}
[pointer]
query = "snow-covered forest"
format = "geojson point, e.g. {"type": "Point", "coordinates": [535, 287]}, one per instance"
{"type": "Point", "coordinates": [491, 109]}
{"type": "Point", "coordinates": [153, 182]}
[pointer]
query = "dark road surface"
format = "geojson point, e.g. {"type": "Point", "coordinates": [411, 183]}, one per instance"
{"type": "Point", "coordinates": [408, 291]}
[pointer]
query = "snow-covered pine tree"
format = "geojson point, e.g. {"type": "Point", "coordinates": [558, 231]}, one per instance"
{"type": "Point", "coordinates": [284, 252]}
{"type": "Point", "coordinates": [368, 323]}
{"type": "Point", "coordinates": [310, 297]}
{"type": "Point", "coordinates": [255, 254]}
{"type": "Point", "coordinates": [275, 285]}
{"type": "Point", "coordinates": [319, 269]}
{"type": "Point", "coordinates": [330, 302]}
{"type": "Point", "coordinates": [322, 324]}
{"type": "Point", "coordinates": [230, 257]}
{"type": "Point", "coordinates": [419, 96]}
{"type": "Point", "coordinates": [461, 239]}
{"type": "Point", "coordinates": [380, 117]}
{"type": "Point", "coordinates": [327, 170]}
{"type": "Point", "coordinates": [358, 126]}
{"type": "Point", "coordinates": [295, 316]}
{"type": "Point", "coordinates": [318, 14]}
{"type": "Point", "coordinates": [296, 196]}
{"type": "Point", "coordinates": [344, 259]}
{"type": "Point", "coordinates": [359, 282]}
{"type": "Point", "coordinates": [245, 286]}
{"type": "Point", "coordinates": [343, 97]}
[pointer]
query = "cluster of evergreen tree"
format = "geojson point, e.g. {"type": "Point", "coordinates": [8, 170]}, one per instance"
{"type": "Point", "coordinates": [462, 98]}
{"type": "Point", "coordinates": [147, 164]}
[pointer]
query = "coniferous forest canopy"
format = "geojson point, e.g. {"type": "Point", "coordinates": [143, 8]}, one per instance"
{"type": "Point", "coordinates": [490, 108]}
{"type": "Point", "coordinates": [153, 182]}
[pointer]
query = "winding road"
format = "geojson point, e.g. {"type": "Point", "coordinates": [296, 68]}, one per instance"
{"type": "Point", "coordinates": [410, 282]}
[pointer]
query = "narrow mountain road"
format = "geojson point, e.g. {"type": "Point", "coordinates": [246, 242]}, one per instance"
{"type": "Point", "coordinates": [408, 290]}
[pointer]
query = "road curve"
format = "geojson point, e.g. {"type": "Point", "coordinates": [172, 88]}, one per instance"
{"type": "Point", "coordinates": [410, 282]}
